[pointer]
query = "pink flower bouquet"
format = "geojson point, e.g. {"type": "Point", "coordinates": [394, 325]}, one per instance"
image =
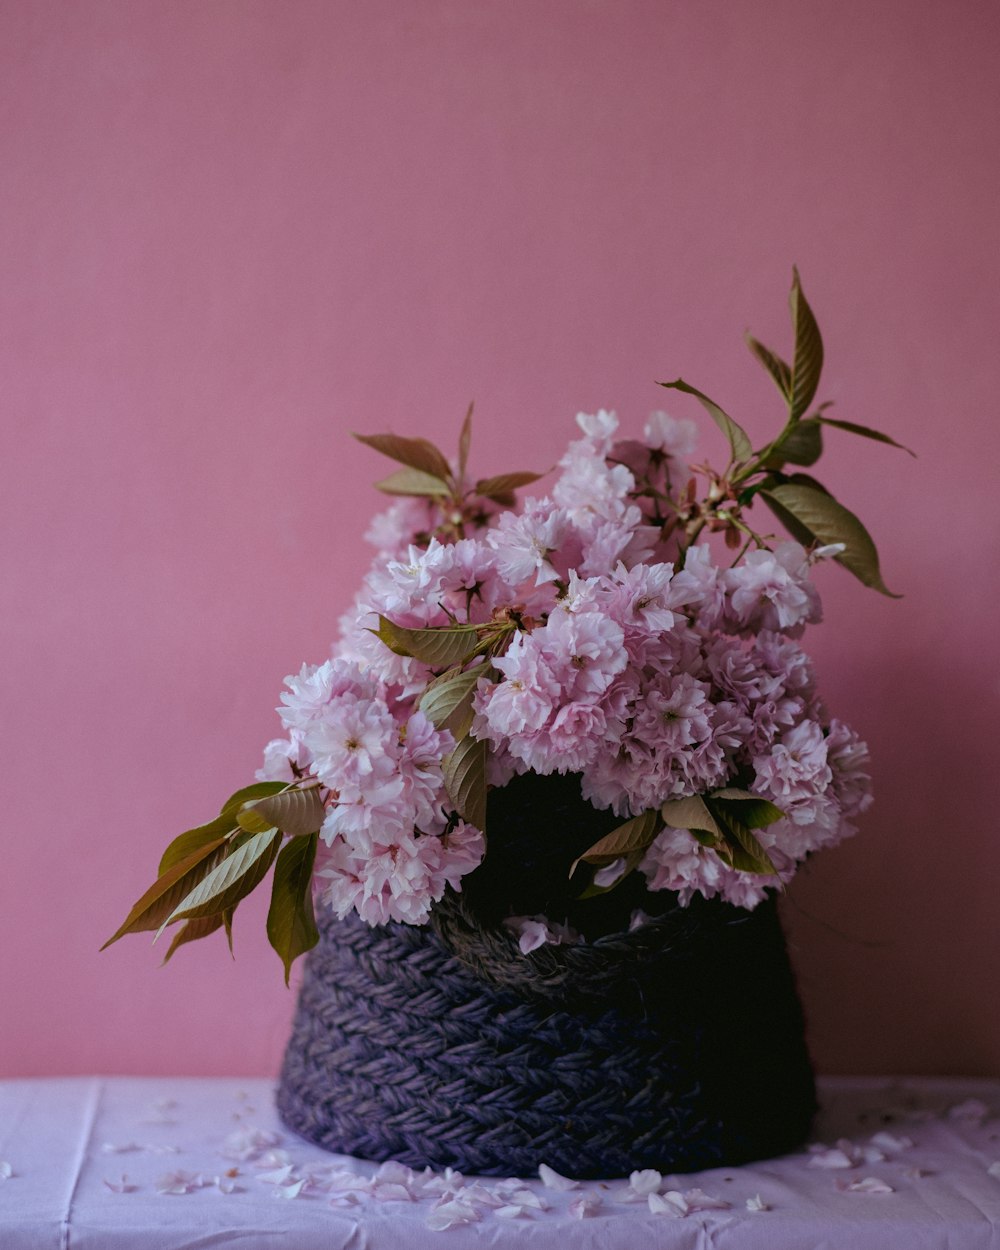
{"type": "Point", "coordinates": [635, 630]}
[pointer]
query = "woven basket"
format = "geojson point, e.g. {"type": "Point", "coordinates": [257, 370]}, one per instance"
{"type": "Point", "coordinates": [678, 1046]}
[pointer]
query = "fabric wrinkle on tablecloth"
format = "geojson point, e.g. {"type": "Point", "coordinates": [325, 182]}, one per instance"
{"type": "Point", "coordinates": [196, 1163]}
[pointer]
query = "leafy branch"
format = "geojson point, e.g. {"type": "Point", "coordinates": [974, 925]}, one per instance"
{"type": "Point", "coordinates": [207, 871]}
{"type": "Point", "coordinates": [806, 508]}
{"type": "Point", "coordinates": [723, 821]}
{"type": "Point", "coordinates": [427, 474]}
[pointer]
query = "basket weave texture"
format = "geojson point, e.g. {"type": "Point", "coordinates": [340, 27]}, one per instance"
{"type": "Point", "coordinates": [678, 1046]}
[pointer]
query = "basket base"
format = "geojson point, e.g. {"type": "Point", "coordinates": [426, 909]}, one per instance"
{"type": "Point", "coordinates": [399, 1051]}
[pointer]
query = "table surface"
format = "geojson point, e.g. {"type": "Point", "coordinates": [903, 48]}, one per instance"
{"type": "Point", "coordinates": [190, 1163]}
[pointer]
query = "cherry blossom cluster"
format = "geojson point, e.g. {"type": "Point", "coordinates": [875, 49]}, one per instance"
{"type": "Point", "coordinates": [652, 670]}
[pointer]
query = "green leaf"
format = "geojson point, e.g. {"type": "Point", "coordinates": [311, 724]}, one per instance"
{"type": "Point", "coordinates": [291, 925]}
{"type": "Point", "coordinates": [753, 811]}
{"type": "Point", "coordinates": [259, 790]}
{"type": "Point", "coordinates": [159, 901]}
{"type": "Point", "coordinates": [807, 363]}
{"type": "Point", "coordinates": [801, 443]}
{"type": "Point", "coordinates": [691, 814]}
{"type": "Point", "coordinates": [231, 880]}
{"type": "Point", "coordinates": [464, 773]}
{"type": "Point", "coordinates": [501, 486]}
{"type": "Point", "coordinates": [440, 647]}
{"type": "Point", "coordinates": [812, 513]}
{"type": "Point", "coordinates": [634, 835]}
{"type": "Point", "coordinates": [295, 812]}
{"type": "Point", "coordinates": [191, 931]}
{"type": "Point", "coordinates": [447, 701]}
{"type": "Point", "coordinates": [739, 443]}
{"type": "Point", "coordinates": [413, 482]}
{"type": "Point", "coordinates": [742, 849]}
{"type": "Point", "coordinates": [852, 428]}
{"type": "Point", "coordinates": [780, 372]}
{"type": "Point", "coordinates": [251, 821]}
{"type": "Point", "coordinates": [464, 443]}
{"type": "Point", "coordinates": [416, 453]}
{"type": "Point", "coordinates": [187, 843]}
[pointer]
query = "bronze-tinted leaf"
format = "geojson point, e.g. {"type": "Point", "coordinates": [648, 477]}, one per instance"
{"type": "Point", "coordinates": [806, 510]}
{"type": "Point", "coordinates": [413, 482]}
{"type": "Point", "coordinates": [739, 443]}
{"type": "Point", "coordinates": [259, 790]}
{"type": "Point", "coordinates": [465, 780]}
{"type": "Point", "coordinates": [634, 835]}
{"type": "Point", "coordinates": [291, 924]}
{"type": "Point", "coordinates": [501, 486]}
{"type": "Point", "coordinates": [159, 901]}
{"type": "Point", "coordinates": [780, 372]}
{"type": "Point", "coordinates": [296, 812]}
{"type": "Point", "coordinates": [751, 809]}
{"type": "Point", "coordinates": [690, 813]}
{"type": "Point", "coordinates": [742, 849]}
{"type": "Point", "coordinates": [191, 931]}
{"type": "Point", "coordinates": [187, 843]}
{"type": "Point", "coordinates": [464, 443]}
{"type": "Point", "coordinates": [802, 443]}
{"type": "Point", "coordinates": [252, 821]}
{"type": "Point", "coordinates": [808, 359]}
{"type": "Point", "coordinates": [440, 647]}
{"type": "Point", "coordinates": [231, 880]}
{"type": "Point", "coordinates": [416, 453]}
{"type": "Point", "coordinates": [853, 428]}
{"type": "Point", "coordinates": [447, 701]}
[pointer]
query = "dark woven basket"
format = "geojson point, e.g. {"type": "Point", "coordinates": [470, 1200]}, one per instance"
{"type": "Point", "coordinates": [678, 1046]}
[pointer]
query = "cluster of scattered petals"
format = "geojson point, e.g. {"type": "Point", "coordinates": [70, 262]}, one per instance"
{"type": "Point", "coordinates": [653, 672]}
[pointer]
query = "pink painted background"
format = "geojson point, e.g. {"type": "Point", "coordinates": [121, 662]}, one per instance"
{"type": "Point", "coordinates": [234, 231]}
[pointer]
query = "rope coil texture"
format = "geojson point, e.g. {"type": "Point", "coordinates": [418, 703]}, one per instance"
{"type": "Point", "coordinates": [678, 1046]}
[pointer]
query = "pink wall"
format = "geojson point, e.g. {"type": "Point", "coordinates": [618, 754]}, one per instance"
{"type": "Point", "coordinates": [234, 231]}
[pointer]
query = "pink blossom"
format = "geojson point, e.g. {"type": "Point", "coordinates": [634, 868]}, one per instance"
{"type": "Point", "coordinates": [677, 861]}
{"type": "Point", "coordinates": [796, 765]}
{"type": "Point", "coordinates": [394, 529]}
{"type": "Point", "coordinates": [395, 876]}
{"type": "Point", "coordinates": [771, 590]}
{"type": "Point", "coordinates": [354, 745]}
{"type": "Point", "coordinates": [409, 590]}
{"type": "Point", "coordinates": [699, 587]}
{"type": "Point", "coordinates": [849, 762]}
{"type": "Point", "coordinates": [672, 436]}
{"type": "Point", "coordinates": [675, 714]}
{"type": "Point", "coordinates": [279, 755]}
{"type": "Point", "coordinates": [589, 484]}
{"type": "Point", "coordinates": [599, 428]}
{"type": "Point", "coordinates": [525, 545]}
{"type": "Point", "coordinates": [421, 753]}
{"type": "Point", "coordinates": [521, 704]}
{"type": "Point", "coordinates": [572, 740]}
{"type": "Point", "coordinates": [583, 652]}
{"type": "Point", "coordinates": [311, 690]}
{"type": "Point", "coordinates": [638, 598]}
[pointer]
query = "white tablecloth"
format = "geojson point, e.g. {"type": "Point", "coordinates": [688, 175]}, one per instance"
{"type": "Point", "coordinates": [186, 1164]}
